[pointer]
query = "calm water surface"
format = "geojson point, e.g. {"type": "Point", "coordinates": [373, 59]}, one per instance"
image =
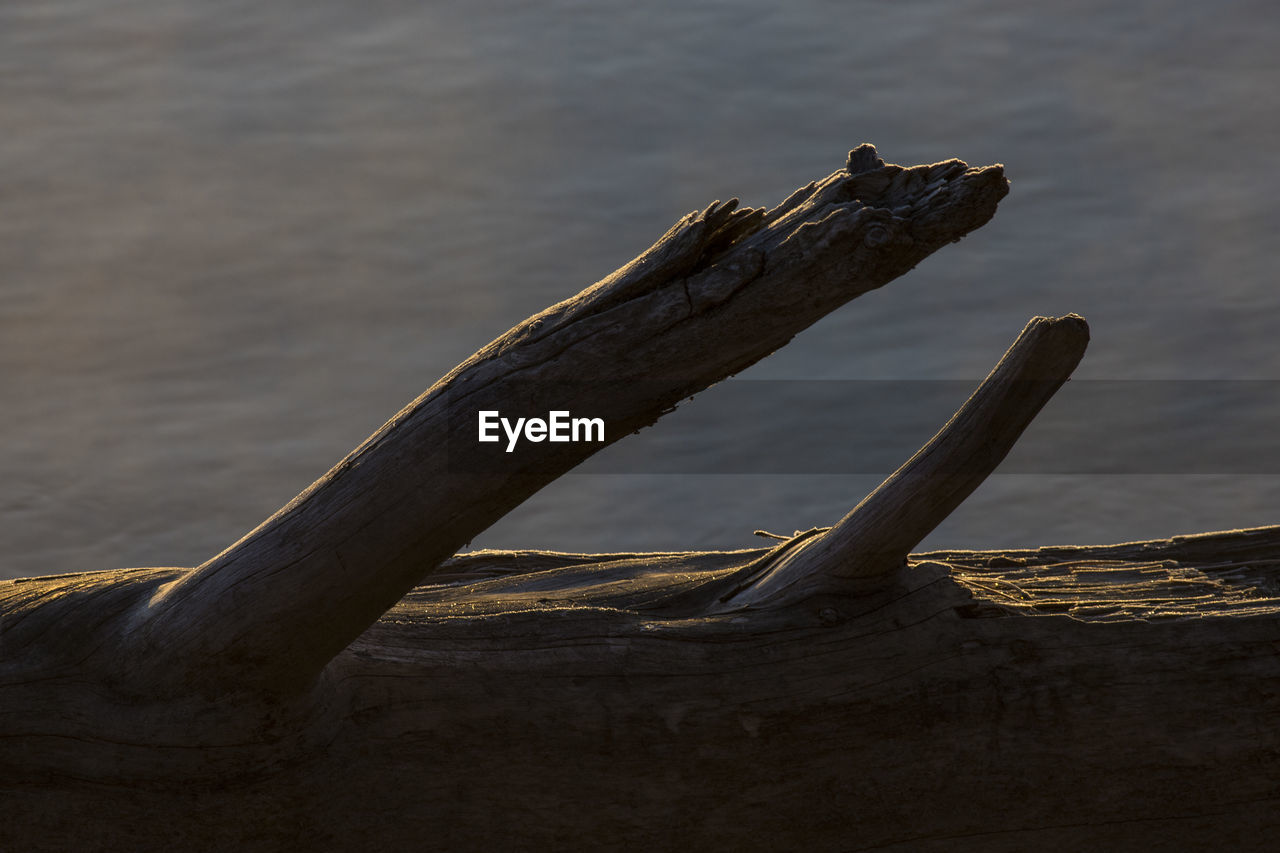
{"type": "Point", "coordinates": [237, 237]}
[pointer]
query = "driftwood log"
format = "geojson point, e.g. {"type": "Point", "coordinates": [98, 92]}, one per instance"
{"type": "Point", "coordinates": [339, 679]}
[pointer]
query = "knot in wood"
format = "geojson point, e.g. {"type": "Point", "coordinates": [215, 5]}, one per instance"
{"type": "Point", "coordinates": [876, 236]}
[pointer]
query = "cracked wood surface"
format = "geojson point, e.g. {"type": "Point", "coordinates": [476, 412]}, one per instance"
{"type": "Point", "coordinates": [1178, 578]}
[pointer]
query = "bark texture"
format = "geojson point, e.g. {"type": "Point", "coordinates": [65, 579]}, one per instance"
{"type": "Point", "coordinates": [306, 689]}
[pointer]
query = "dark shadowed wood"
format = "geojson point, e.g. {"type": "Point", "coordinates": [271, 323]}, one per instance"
{"type": "Point", "coordinates": [1110, 697]}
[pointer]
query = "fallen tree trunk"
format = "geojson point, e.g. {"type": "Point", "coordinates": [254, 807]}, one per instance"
{"type": "Point", "coordinates": [305, 689]}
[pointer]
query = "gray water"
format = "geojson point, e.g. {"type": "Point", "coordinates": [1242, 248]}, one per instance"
{"type": "Point", "coordinates": [236, 237]}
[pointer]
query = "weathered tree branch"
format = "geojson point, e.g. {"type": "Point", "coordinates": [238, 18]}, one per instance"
{"type": "Point", "coordinates": [874, 539]}
{"type": "Point", "coordinates": [720, 290]}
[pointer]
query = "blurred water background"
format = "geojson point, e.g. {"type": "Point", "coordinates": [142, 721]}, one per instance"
{"type": "Point", "coordinates": [237, 237]}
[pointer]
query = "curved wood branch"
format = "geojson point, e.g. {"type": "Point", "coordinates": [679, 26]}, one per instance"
{"type": "Point", "coordinates": [873, 540]}
{"type": "Point", "coordinates": [722, 289]}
